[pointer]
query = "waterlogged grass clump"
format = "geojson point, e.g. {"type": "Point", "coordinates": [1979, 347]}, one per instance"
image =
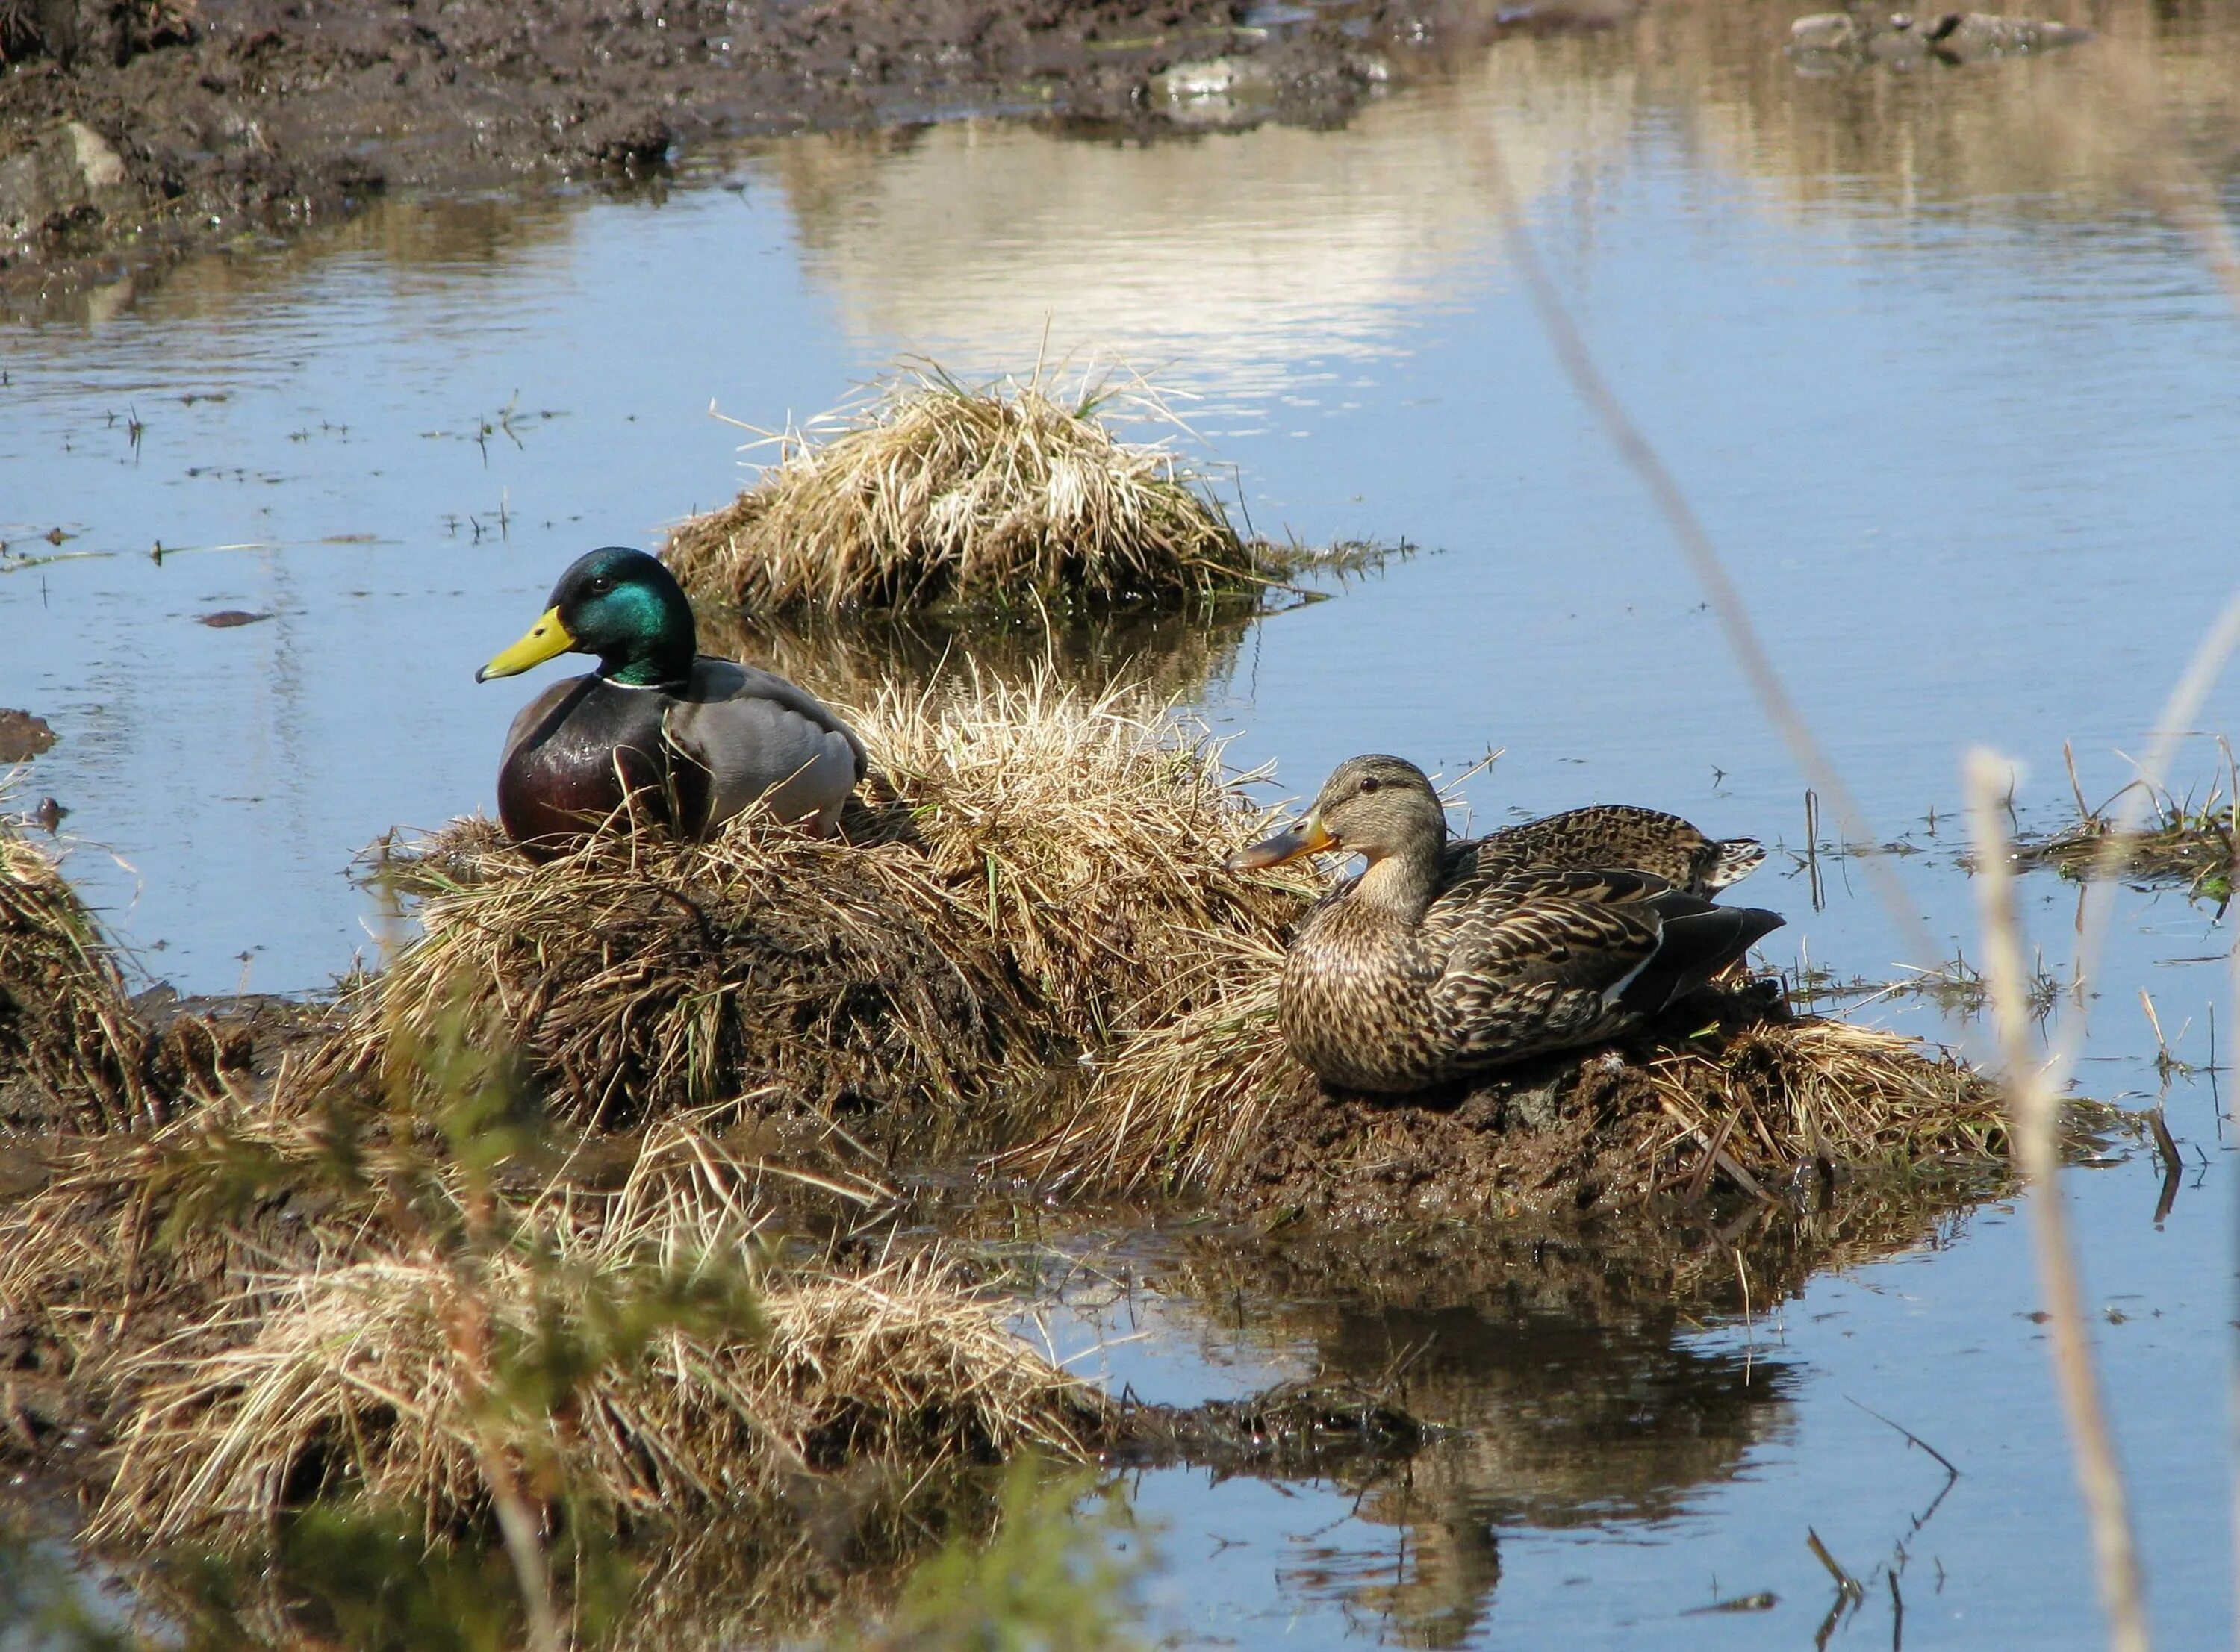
{"type": "Point", "coordinates": [1034, 869]}
{"type": "Point", "coordinates": [438, 1307]}
{"type": "Point", "coordinates": [71, 1045]}
{"type": "Point", "coordinates": [1735, 1094]}
{"type": "Point", "coordinates": [929, 493]}
{"type": "Point", "coordinates": [2179, 845]}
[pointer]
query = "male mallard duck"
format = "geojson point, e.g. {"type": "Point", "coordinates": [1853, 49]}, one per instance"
{"type": "Point", "coordinates": [691, 740]}
{"type": "Point", "coordinates": [1441, 961]}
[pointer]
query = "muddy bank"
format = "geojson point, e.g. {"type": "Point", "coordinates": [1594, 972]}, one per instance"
{"type": "Point", "coordinates": [128, 132]}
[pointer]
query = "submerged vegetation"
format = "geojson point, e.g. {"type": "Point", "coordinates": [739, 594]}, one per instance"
{"type": "Point", "coordinates": [927, 492]}
{"type": "Point", "coordinates": [2181, 845]}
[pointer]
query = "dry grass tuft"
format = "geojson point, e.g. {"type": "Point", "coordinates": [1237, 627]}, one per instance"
{"type": "Point", "coordinates": [1032, 863]}
{"type": "Point", "coordinates": [349, 1374]}
{"type": "Point", "coordinates": [1087, 831]}
{"type": "Point", "coordinates": [71, 1048]}
{"type": "Point", "coordinates": [349, 1382]}
{"type": "Point", "coordinates": [641, 976]}
{"type": "Point", "coordinates": [926, 492]}
{"type": "Point", "coordinates": [1182, 1106]}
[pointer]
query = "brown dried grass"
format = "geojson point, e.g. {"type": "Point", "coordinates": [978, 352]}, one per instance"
{"type": "Point", "coordinates": [348, 1374]}
{"type": "Point", "coordinates": [926, 492]}
{"type": "Point", "coordinates": [1088, 831]}
{"type": "Point", "coordinates": [1035, 867]}
{"type": "Point", "coordinates": [71, 1047]}
{"type": "Point", "coordinates": [640, 975]}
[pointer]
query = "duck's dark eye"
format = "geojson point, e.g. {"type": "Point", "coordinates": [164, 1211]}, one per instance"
{"type": "Point", "coordinates": [601, 585]}
{"type": "Point", "coordinates": [1370, 783]}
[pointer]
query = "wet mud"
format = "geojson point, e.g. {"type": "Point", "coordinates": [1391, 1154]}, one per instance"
{"type": "Point", "coordinates": [130, 132]}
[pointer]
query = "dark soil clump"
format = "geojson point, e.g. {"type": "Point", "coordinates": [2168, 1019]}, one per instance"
{"type": "Point", "coordinates": [23, 736]}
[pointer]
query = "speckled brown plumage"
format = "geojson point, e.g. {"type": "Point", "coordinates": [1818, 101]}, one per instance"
{"type": "Point", "coordinates": [1620, 835]}
{"type": "Point", "coordinates": [1442, 960]}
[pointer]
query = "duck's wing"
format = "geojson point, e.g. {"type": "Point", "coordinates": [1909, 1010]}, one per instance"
{"type": "Point", "coordinates": [759, 735]}
{"type": "Point", "coordinates": [1577, 928]}
{"type": "Point", "coordinates": [1571, 954]}
{"type": "Point", "coordinates": [1473, 888]}
{"type": "Point", "coordinates": [1544, 971]}
{"type": "Point", "coordinates": [1625, 835]}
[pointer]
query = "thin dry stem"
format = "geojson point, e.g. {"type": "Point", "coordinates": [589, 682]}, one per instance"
{"type": "Point", "coordinates": [2034, 1101]}
{"type": "Point", "coordinates": [2121, 843]}
{"type": "Point", "coordinates": [1687, 529]}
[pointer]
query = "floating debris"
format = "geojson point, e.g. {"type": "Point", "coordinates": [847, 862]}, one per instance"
{"type": "Point", "coordinates": [225, 618]}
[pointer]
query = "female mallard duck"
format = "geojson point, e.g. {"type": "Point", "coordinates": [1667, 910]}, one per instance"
{"type": "Point", "coordinates": [1441, 961]}
{"type": "Point", "coordinates": [687, 740]}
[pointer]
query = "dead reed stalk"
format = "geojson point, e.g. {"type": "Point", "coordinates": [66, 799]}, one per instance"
{"type": "Point", "coordinates": [926, 492]}
{"type": "Point", "coordinates": [1688, 531]}
{"type": "Point", "coordinates": [2034, 1102]}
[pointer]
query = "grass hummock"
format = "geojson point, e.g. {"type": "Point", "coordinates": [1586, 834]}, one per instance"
{"type": "Point", "coordinates": [1735, 1094]}
{"type": "Point", "coordinates": [1034, 869]}
{"type": "Point", "coordinates": [71, 1047]}
{"type": "Point", "coordinates": [928, 493]}
{"type": "Point", "coordinates": [350, 1377]}
{"type": "Point", "coordinates": [253, 1311]}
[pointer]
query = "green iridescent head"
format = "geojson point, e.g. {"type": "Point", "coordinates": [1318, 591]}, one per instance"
{"type": "Point", "coordinates": [621, 606]}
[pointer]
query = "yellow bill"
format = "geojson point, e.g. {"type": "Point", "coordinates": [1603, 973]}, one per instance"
{"type": "Point", "coordinates": [544, 639]}
{"type": "Point", "coordinates": [1308, 837]}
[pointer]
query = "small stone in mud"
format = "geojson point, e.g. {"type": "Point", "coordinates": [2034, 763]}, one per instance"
{"type": "Point", "coordinates": [23, 736]}
{"type": "Point", "coordinates": [226, 616]}
{"type": "Point", "coordinates": [71, 175]}
{"type": "Point", "coordinates": [1901, 38]}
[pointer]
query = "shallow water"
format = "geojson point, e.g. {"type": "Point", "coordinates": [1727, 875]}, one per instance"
{"type": "Point", "coordinates": [1960, 411]}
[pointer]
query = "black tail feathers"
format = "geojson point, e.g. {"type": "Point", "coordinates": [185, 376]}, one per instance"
{"type": "Point", "coordinates": [1700, 939]}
